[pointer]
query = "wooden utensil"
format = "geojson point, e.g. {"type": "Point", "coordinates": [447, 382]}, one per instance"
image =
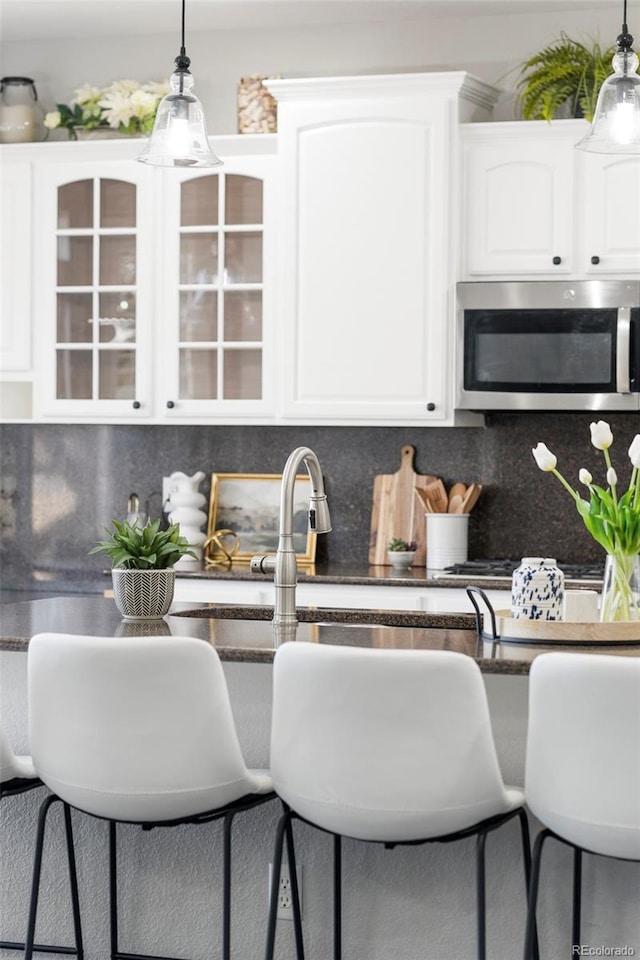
{"type": "Point", "coordinates": [396, 511]}
{"type": "Point", "coordinates": [457, 490]}
{"type": "Point", "coordinates": [424, 500]}
{"type": "Point", "coordinates": [437, 495]}
{"type": "Point", "coordinates": [455, 503]}
{"type": "Point", "coordinates": [471, 497]}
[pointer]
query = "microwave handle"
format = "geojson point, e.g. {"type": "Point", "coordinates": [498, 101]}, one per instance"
{"type": "Point", "coordinates": [623, 346]}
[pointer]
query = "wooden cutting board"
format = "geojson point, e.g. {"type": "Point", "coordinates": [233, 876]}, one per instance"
{"type": "Point", "coordinates": [397, 511]}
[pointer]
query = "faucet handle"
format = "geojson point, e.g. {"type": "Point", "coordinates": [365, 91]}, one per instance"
{"type": "Point", "coordinates": [262, 564]}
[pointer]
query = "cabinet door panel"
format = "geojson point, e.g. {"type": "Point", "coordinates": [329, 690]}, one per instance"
{"type": "Point", "coordinates": [518, 208]}
{"type": "Point", "coordinates": [368, 298]}
{"type": "Point", "coordinates": [610, 186]}
{"type": "Point", "coordinates": [217, 276]}
{"type": "Point", "coordinates": [15, 267]}
{"type": "Point", "coordinates": [95, 297]}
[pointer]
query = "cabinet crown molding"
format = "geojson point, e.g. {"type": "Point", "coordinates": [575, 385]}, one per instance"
{"type": "Point", "coordinates": [451, 83]}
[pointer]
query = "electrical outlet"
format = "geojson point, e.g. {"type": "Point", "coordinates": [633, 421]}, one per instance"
{"type": "Point", "coordinates": [285, 899]}
{"type": "Point", "coordinates": [168, 486]}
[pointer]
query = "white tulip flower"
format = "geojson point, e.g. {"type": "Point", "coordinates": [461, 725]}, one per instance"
{"type": "Point", "coordinates": [585, 477]}
{"type": "Point", "coordinates": [612, 477]}
{"type": "Point", "coordinates": [544, 458]}
{"type": "Point", "coordinates": [601, 435]}
{"type": "Point", "coordinates": [634, 451]}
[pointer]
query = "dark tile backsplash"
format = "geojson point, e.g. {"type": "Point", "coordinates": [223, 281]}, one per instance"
{"type": "Point", "coordinates": [61, 484]}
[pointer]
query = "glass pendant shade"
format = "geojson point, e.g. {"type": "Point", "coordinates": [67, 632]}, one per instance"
{"type": "Point", "coordinates": [616, 123]}
{"type": "Point", "coordinates": [179, 137]}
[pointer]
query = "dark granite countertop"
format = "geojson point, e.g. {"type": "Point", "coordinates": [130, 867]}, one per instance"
{"type": "Point", "coordinates": [360, 574]}
{"type": "Point", "coordinates": [72, 582]}
{"type": "Point", "coordinates": [246, 633]}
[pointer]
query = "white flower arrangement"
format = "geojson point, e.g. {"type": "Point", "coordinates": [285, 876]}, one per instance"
{"type": "Point", "coordinates": [124, 105]}
{"type": "Point", "coordinates": [612, 518]}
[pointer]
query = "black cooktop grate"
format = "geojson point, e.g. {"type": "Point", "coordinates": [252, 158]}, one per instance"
{"type": "Point", "coordinates": [505, 568]}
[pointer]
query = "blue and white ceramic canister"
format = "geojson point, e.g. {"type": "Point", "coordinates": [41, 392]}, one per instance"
{"type": "Point", "coordinates": [537, 590]}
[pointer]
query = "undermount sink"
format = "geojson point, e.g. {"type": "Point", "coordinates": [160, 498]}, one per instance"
{"type": "Point", "coordinates": [347, 616]}
{"type": "Point", "coordinates": [252, 627]}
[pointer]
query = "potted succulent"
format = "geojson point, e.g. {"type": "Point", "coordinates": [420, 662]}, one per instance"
{"type": "Point", "coordinates": [142, 560]}
{"type": "Point", "coordinates": [564, 78]}
{"type": "Point", "coordinates": [401, 553]}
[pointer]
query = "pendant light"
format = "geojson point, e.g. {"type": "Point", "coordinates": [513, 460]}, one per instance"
{"type": "Point", "coordinates": [616, 123]}
{"type": "Point", "coordinates": [179, 137]}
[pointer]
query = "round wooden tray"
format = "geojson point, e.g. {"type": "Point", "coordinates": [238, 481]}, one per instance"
{"type": "Point", "coordinates": [511, 630]}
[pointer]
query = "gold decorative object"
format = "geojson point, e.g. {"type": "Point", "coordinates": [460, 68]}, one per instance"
{"type": "Point", "coordinates": [217, 549]}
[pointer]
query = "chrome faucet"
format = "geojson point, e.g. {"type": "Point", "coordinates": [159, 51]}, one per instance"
{"type": "Point", "coordinates": [284, 565]}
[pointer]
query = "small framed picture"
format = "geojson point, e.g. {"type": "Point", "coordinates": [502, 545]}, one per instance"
{"type": "Point", "coordinates": [244, 511]}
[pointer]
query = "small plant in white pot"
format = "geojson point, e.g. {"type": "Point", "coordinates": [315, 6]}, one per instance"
{"type": "Point", "coordinates": [142, 561]}
{"type": "Point", "coordinates": [401, 553]}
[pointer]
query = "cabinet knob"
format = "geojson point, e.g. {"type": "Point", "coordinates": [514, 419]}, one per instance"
{"type": "Point", "coordinates": [170, 404]}
{"type": "Point", "coordinates": [431, 406]}
{"type": "Point", "coordinates": [136, 404]}
{"type": "Point", "coordinates": [595, 260]}
{"type": "Point", "coordinates": [557, 261]}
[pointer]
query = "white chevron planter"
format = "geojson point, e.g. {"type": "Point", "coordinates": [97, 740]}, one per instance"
{"type": "Point", "coordinates": [143, 594]}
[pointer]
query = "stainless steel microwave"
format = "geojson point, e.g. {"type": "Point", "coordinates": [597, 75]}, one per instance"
{"type": "Point", "coordinates": [548, 345]}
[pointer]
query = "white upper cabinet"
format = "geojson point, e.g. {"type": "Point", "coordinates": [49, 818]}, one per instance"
{"type": "Point", "coordinates": [367, 196]}
{"type": "Point", "coordinates": [93, 304]}
{"type": "Point", "coordinates": [154, 293]}
{"type": "Point", "coordinates": [217, 292]}
{"type": "Point", "coordinates": [533, 205]}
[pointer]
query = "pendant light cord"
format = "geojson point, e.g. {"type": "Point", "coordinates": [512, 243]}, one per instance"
{"type": "Point", "coordinates": [182, 61]}
{"type": "Point", "coordinates": [183, 51]}
{"type": "Point", "coordinates": [625, 40]}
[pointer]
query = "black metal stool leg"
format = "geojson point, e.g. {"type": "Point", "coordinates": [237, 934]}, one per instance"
{"type": "Point", "coordinates": [530, 932]}
{"type": "Point", "coordinates": [295, 893]}
{"type": "Point", "coordinates": [73, 882]}
{"type": "Point", "coordinates": [113, 889]}
{"type": "Point", "coordinates": [481, 895]}
{"type": "Point", "coordinates": [226, 888]}
{"type": "Point", "coordinates": [526, 856]}
{"type": "Point", "coordinates": [35, 882]}
{"type": "Point", "coordinates": [275, 883]}
{"type": "Point", "coordinates": [337, 897]}
{"type": "Point", "coordinates": [577, 895]}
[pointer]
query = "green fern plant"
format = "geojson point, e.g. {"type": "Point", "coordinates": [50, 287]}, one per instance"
{"type": "Point", "coordinates": [565, 72]}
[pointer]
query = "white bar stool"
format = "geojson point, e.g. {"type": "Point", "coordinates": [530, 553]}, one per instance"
{"type": "Point", "coordinates": [137, 730]}
{"type": "Point", "coordinates": [582, 776]}
{"type": "Point", "coordinates": [18, 775]}
{"type": "Point", "coordinates": [388, 746]}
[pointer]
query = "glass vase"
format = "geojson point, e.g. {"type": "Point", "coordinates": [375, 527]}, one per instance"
{"type": "Point", "coordinates": [621, 588]}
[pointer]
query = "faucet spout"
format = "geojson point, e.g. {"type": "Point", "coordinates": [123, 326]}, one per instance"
{"type": "Point", "coordinates": [285, 566]}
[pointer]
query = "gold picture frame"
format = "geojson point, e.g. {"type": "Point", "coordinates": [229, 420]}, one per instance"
{"type": "Point", "coordinates": [244, 512]}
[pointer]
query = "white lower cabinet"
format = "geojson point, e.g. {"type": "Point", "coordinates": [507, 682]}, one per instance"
{"type": "Point", "coordinates": [350, 596]}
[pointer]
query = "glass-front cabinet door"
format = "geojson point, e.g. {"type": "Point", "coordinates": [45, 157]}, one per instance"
{"type": "Point", "coordinates": [218, 292]}
{"type": "Point", "coordinates": [97, 285]}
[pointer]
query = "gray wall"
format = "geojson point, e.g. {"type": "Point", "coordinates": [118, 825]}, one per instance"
{"type": "Point", "coordinates": [61, 484]}
{"type": "Point", "coordinates": [491, 46]}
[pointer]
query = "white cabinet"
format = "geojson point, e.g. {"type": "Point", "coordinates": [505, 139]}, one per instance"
{"type": "Point", "coordinates": [154, 294]}
{"type": "Point", "coordinates": [367, 195]}
{"type": "Point", "coordinates": [350, 596]}
{"type": "Point", "coordinates": [533, 205]}
{"type": "Point", "coordinates": [16, 369]}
